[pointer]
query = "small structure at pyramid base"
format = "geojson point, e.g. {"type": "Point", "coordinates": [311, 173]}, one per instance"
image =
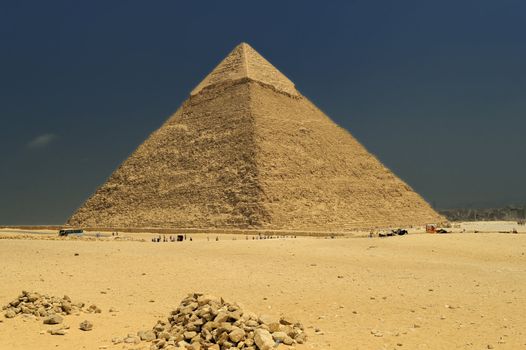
{"type": "Point", "coordinates": [246, 151]}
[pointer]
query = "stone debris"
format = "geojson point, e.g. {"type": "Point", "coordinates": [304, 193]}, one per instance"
{"type": "Point", "coordinates": [51, 308]}
{"type": "Point", "coordinates": [116, 340]}
{"type": "Point", "coordinates": [132, 339]}
{"type": "Point", "coordinates": [63, 330]}
{"type": "Point", "coordinates": [53, 319]}
{"type": "Point", "coordinates": [263, 339]}
{"type": "Point", "coordinates": [86, 325]}
{"type": "Point", "coordinates": [205, 322]}
{"type": "Point", "coordinates": [60, 331]}
{"type": "Point", "coordinates": [146, 335]}
{"type": "Point", "coordinates": [93, 309]}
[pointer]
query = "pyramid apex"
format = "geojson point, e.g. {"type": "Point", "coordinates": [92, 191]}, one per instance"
{"type": "Point", "coordinates": [245, 62]}
{"type": "Point", "coordinates": [245, 46]}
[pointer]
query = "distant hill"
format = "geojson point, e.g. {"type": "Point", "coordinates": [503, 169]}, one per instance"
{"type": "Point", "coordinates": [509, 213]}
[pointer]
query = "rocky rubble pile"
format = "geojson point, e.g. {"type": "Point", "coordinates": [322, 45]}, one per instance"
{"type": "Point", "coordinates": [49, 307]}
{"type": "Point", "coordinates": [204, 322]}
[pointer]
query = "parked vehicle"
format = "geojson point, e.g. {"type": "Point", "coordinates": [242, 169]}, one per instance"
{"type": "Point", "coordinates": [67, 232]}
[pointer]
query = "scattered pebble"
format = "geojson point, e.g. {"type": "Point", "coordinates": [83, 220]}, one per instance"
{"type": "Point", "coordinates": [86, 326]}
{"type": "Point", "coordinates": [94, 309]}
{"type": "Point", "coordinates": [59, 331]}
{"type": "Point", "coordinates": [377, 333]}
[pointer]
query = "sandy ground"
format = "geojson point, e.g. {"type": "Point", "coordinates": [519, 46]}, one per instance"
{"type": "Point", "coordinates": [454, 291]}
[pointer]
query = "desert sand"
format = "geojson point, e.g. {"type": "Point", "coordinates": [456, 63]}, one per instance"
{"type": "Point", "coordinates": [421, 291]}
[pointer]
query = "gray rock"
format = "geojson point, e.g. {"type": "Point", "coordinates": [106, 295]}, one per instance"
{"type": "Point", "coordinates": [67, 307]}
{"type": "Point", "coordinates": [273, 327]}
{"type": "Point", "coordinates": [10, 313]}
{"type": "Point", "coordinates": [183, 344]}
{"type": "Point", "coordinates": [94, 309]}
{"type": "Point", "coordinates": [250, 316]}
{"type": "Point", "coordinates": [42, 311]}
{"type": "Point", "coordinates": [159, 327]}
{"type": "Point", "coordinates": [33, 297]}
{"type": "Point", "coordinates": [189, 335]}
{"type": "Point", "coordinates": [263, 339]}
{"type": "Point", "coordinates": [116, 340]}
{"type": "Point", "coordinates": [164, 335]}
{"type": "Point", "coordinates": [251, 323]}
{"type": "Point", "coordinates": [279, 336]}
{"type": "Point", "coordinates": [60, 331]}
{"type": "Point", "coordinates": [86, 325]}
{"type": "Point", "coordinates": [207, 299]}
{"type": "Point", "coordinates": [301, 338]}
{"type": "Point", "coordinates": [53, 319]}
{"type": "Point", "coordinates": [132, 340]}
{"type": "Point", "coordinates": [146, 335]}
{"type": "Point", "coordinates": [288, 340]}
{"type": "Point", "coordinates": [286, 321]}
{"type": "Point", "coordinates": [159, 343]}
{"type": "Point", "coordinates": [267, 319]}
{"type": "Point", "coordinates": [221, 317]}
{"type": "Point", "coordinates": [237, 335]}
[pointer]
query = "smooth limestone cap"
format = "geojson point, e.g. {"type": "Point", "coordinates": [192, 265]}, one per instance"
{"type": "Point", "coordinates": [245, 62]}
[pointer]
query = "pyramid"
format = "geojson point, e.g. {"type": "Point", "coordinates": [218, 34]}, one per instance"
{"type": "Point", "coordinates": [247, 151]}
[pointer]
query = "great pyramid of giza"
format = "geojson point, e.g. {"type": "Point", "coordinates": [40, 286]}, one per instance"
{"type": "Point", "coordinates": [247, 151]}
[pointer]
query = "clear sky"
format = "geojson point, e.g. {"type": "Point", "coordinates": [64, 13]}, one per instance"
{"type": "Point", "coordinates": [435, 89]}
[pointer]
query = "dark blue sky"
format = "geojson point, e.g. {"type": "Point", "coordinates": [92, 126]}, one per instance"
{"type": "Point", "coordinates": [436, 89]}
